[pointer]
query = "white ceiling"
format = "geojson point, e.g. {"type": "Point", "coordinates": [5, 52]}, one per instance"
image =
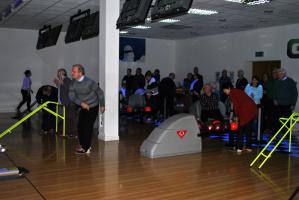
{"type": "Point", "coordinates": [232, 17]}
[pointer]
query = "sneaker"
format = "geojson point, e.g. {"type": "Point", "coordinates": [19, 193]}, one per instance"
{"type": "Point", "coordinates": [81, 151]}
{"type": "Point", "coordinates": [88, 150]}
{"type": "Point", "coordinates": [232, 149]}
{"type": "Point", "coordinates": [248, 150]}
{"type": "Point", "coordinates": [239, 151]}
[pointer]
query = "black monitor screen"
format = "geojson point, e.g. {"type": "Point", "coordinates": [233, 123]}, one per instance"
{"type": "Point", "coordinates": [91, 26]}
{"type": "Point", "coordinates": [170, 8]}
{"type": "Point", "coordinates": [43, 34]}
{"type": "Point", "coordinates": [53, 36]}
{"type": "Point", "coordinates": [133, 12]}
{"type": "Point", "coordinates": [74, 31]}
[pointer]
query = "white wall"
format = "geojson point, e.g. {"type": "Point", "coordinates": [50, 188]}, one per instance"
{"type": "Point", "coordinates": [18, 53]}
{"type": "Point", "coordinates": [236, 51]}
{"type": "Point", "coordinates": [158, 54]}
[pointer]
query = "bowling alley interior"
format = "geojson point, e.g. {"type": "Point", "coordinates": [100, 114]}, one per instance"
{"type": "Point", "coordinates": [149, 99]}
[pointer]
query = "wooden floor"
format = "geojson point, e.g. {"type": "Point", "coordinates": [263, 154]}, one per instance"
{"type": "Point", "coordinates": [115, 170]}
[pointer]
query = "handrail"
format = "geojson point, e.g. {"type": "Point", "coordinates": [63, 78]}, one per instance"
{"type": "Point", "coordinates": [43, 106]}
{"type": "Point", "coordinates": [292, 120]}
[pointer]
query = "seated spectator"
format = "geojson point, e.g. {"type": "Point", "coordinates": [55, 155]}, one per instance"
{"type": "Point", "coordinates": [209, 105]}
{"type": "Point", "coordinates": [44, 94]}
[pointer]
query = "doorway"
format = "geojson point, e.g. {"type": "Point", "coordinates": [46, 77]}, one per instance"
{"type": "Point", "coordinates": [264, 67]}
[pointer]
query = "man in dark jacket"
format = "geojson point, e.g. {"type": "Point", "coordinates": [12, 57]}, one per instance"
{"type": "Point", "coordinates": [167, 91]}
{"type": "Point", "coordinates": [246, 111]}
{"type": "Point", "coordinates": [44, 94]}
{"type": "Point", "coordinates": [284, 97]}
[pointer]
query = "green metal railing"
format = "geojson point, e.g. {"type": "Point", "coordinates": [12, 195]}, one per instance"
{"type": "Point", "coordinates": [287, 123]}
{"type": "Point", "coordinates": [43, 106]}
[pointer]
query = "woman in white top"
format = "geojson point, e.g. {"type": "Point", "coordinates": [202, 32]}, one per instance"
{"type": "Point", "coordinates": [255, 90]}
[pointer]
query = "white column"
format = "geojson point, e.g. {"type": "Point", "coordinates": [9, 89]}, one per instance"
{"type": "Point", "coordinates": [109, 67]}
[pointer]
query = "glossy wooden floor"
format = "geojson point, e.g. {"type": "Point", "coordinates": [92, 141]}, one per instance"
{"type": "Point", "coordinates": [115, 170]}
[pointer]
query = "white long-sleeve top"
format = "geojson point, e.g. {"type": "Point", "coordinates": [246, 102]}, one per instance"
{"type": "Point", "coordinates": [255, 93]}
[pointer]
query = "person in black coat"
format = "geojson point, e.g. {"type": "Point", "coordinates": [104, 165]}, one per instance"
{"type": "Point", "coordinates": [44, 94]}
{"type": "Point", "coordinates": [167, 91]}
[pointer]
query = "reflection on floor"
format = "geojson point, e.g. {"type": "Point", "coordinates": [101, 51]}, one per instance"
{"type": "Point", "coordinates": [115, 170]}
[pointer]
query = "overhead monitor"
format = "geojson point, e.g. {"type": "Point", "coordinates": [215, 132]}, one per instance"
{"type": "Point", "coordinates": [91, 26]}
{"type": "Point", "coordinates": [170, 8]}
{"type": "Point", "coordinates": [53, 36]}
{"type": "Point", "coordinates": [43, 34]}
{"type": "Point", "coordinates": [76, 26]}
{"type": "Point", "coordinates": [133, 12]}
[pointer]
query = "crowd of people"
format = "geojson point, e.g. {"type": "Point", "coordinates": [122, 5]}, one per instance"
{"type": "Point", "coordinates": [82, 97]}
{"type": "Point", "coordinates": [275, 95]}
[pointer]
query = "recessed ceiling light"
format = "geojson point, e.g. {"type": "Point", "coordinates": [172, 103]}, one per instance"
{"type": "Point", "coordinates": [249, 2]}
{"type": "Point", "coordinates": [141, 27]}
{"type": "Point", "coordinates": [235, 1]}
{"type": "Point", "coordinates": [123, 32]}
{"type": "Point", "coordinates": [169, 21]}
{"type": "Point", "coordinates": [257, 2]}
{"type": "Point", "coordinates": [196, 11]}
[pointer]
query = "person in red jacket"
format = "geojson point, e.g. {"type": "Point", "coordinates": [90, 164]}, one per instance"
{"type": "Point", "coordinates": [246, 111]}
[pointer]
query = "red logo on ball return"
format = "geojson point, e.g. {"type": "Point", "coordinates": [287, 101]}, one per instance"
{"type": "Point", "coordinates": [181, 133]}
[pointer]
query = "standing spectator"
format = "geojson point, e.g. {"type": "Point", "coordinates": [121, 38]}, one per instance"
{"type": "Point", "coordinates": [187, 82]}
{"type": "Point", "coordinates": [139, 79]}
{"type": "Point", "coordinates": [44, 94]}
{"type": "Point", "coordinates": [157, 75]}
{"type": "Point", "coordinates": [25, 91]}
{"type": "Point", "coordinates": [242, 81]}
{"type": "Point", "coordinates": [266, 102]}
{"type": "Point", "coordinates": [255, 91]}
{"type": "Point", "coordinates": [152, 93]}
{"type": "Point", "coordinates": [167, 91]}
{"type": "Point", "coordinates": [63, 84]}
{"type": "Point", "coordinates": [195, 88]}
{"type": "Point", "coordinates": [246, 111]}
{"type": "Point", "coordinates": [284, 97]}
{"type": "Point", "coordinates": [85, 93]}
{"type": "Point", "coordinates": [224, 79]}
{"type": "Point", "coordinates": [199, 77]}
{"type": "Point", "coordinates": [128, 79]}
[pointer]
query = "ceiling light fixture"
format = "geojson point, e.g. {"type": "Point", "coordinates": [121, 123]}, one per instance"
{"type": "Point", "coordinates": [123, 32]}
{"type": "Point", "coordinates": [170, 21]}
{"type": "Point", "coordinates": [249, 2]}
{"type": "Point", "coordinates": [141, 27]}
{"type": "Point", "coordinates": [196, 11]}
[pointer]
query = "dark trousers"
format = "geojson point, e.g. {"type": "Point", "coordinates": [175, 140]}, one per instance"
{"type": "Point", "coordinates": [280, 111]}
{"type": "Point", "coordinates": [48, 120]}
{"type": "Point", "coordinates": [85, 126]}
{"type": "Point", "coordinates": [214, 114]}
{"type": "Point", "coordinates": [71, 119]}
{"type": "Point", "coordinates": [246, 130]}
{"type": "Point", "coordinates": [26, 97]}
{"type": "Point", "coordinates": [166, 105]}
